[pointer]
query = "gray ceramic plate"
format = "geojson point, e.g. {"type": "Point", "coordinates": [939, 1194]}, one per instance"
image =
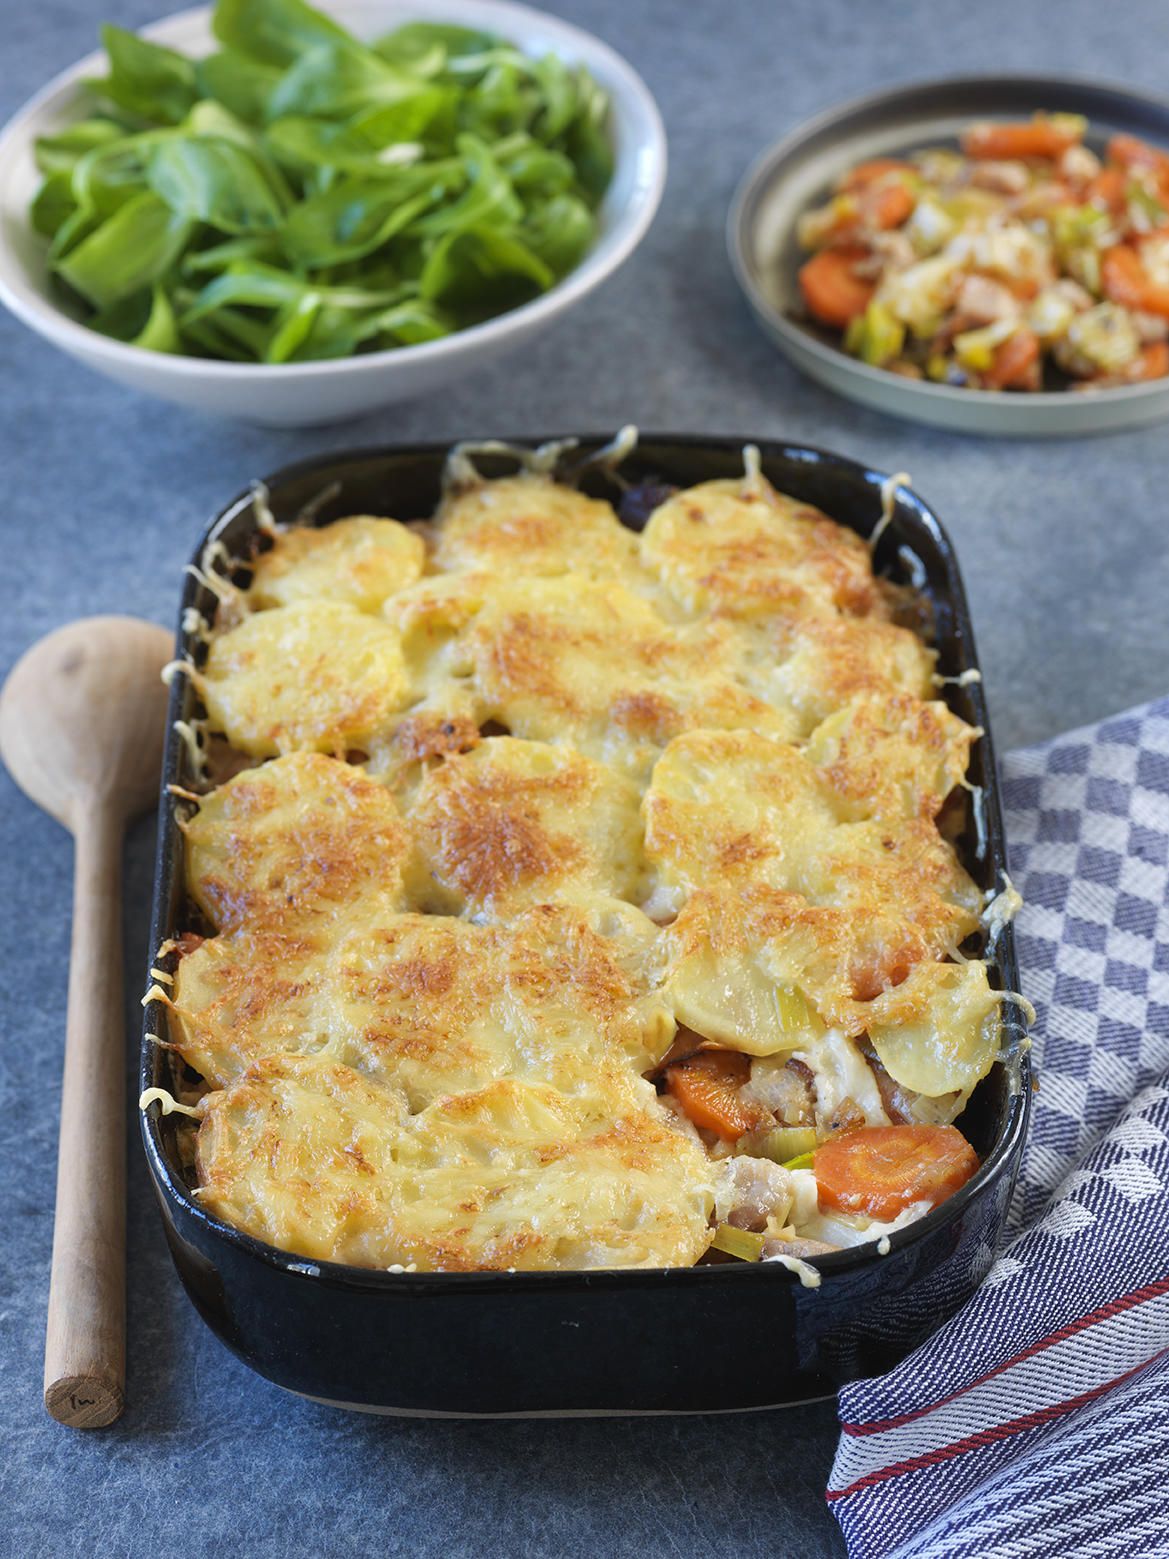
{"type": "Point", "coordinates": [799, 171]}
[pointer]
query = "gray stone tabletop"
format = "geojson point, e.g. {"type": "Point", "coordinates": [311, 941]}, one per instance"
{"type": "Point", "coordinates": [103, 494]}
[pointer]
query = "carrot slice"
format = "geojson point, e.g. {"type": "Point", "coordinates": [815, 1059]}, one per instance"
{"type": "Point", "coordinates": [1023, 287]}
{"type": "Point", "coordinates": [1156, 300]}
{"type": "Point", "coordinates": [1151, 363]}
{"type": "Point", "coordinates": [1126, 282]}
{"type": "Point", "coordinates": [1005, 142]}
{"type": "Point", "coordinates": [882, 1170]}
{"type": "Point", "coordinates": [1129, 151]}
{"type": "Point", "coordinates": [866, 173]}
{"type": "Point", "coordinates": [1108, 189]}
{"type": "Point", "coordinates": [707, 1087]}
{"type": "Point", "coordinates": [1016, 362]}
{"type": "Point", "coordinates": [1137, 157]}
{"type": "Point", "coordinates": [873, 205]}
{"type": "Point", "coordinates": [833, 291]}
{"type": "Point", "coordinates": [1123, 276]}
{"type": "Point", "coordinates": [886, 206]}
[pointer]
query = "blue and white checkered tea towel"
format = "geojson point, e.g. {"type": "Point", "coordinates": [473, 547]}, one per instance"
{"type": "Point", "coordinates": [1036, 1421]}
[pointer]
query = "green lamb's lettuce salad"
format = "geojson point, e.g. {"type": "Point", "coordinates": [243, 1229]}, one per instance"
{"type": "Point", "coordinates": [299, 194]}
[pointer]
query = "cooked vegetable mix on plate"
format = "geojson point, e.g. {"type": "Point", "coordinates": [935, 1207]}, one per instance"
{"type": "Point", "coordinates": [300, 194]}
{"type": "Point", "coordinates": [1022, 261]}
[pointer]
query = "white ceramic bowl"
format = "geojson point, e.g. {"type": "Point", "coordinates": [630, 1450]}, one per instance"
{"type": "Point", "coordinates": [303, 394]}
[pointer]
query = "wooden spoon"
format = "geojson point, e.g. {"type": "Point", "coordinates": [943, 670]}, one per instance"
{"type": "Point", "coordinates": [82, 717]}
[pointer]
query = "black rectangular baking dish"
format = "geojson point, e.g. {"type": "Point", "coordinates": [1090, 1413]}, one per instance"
{"type": "Point", "coordinates": [599, 1341]}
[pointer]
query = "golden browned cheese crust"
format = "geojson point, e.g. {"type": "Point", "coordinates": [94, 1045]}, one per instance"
{"type": "Point", "coordinates": [741, 548]}
{"type": "Point", "coordinates": [523, 526]}
{"type": "Point", "coordinates": [574, 660]}
{"type": "Point", "coordinates": [762, 970]}
{"type": "Point", "coordinates": [892, 755]}
{"type": "Point", "coordinates": [813, 666]}
{"type": "Point", "coordinates": [361, 561]}
{"type": "Point", "coordinates": [838, 906]}
{"type": "Point", "coordinates": [317, 676]}
{"type": "Point", "coordinates": [512, 823]}
{"type": "Point", "coordinates": [547, 805]}
{"type": "Point", "coordinates": [434, 1003]}
{"type": "Point", "coordinates": [302, 837]}
{"type": "Point", "coordinates": [315, 1158]}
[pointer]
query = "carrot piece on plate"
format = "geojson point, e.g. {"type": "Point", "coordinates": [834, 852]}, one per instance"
{"type": "Point", "coordinates": [1138, 159]}
{"type": "Point", "coordinates": [881, 1170]}
{"type": "Point", "coordinates": [1016, 363]}
{"type": "Point", "coordinates": [1005, 142]}
{"type": "Point", "coordinates": [1024, 287]}
{"type": "Point", "coordinates": [1126, 282]}
{"type": "Point", "coordinates": [707, 1087]}
{"type": "Point", "coordinates": [1123, 276]}
{"type": "Point", "coordinates": [1107, 189]}
{"type": "Point", "coordinates": [833, 291]}
{"type": "Point", "coordinates": [1151, 362]}
{"type": "Point", "coordinates": [866, 173]}
{"type": "Point", "coordinates": [886, 206]}
{"type": "Point", "coordinates": [1129, 151]}
{"type": "Point", "coordinates": [1156, 300]}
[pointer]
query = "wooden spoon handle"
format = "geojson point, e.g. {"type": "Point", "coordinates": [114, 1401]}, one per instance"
{"type": "Point", "coordinates": [85, 1341]}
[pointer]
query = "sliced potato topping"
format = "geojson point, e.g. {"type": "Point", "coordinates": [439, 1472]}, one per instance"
{"type": "Point", "coordinates": [583, 884]}
{"type": "Point", "coordinates": [361, 560]}
{"type": "Point", "coordinates": [938, 1032]}
{"type": "Point", "coordinates": [565, 993]}
{"type": "Point", "coordinates": [741, 548]}
{"type": "Point", "coordinates": [311, 1156]}
{"type": "Point", "coordinates": [317, 676]}
{"type": "Point", "coordinates": [301, 837]}
{"type": "Point", "coordinates": [529, 525]}
{"type": "Point", "coordinates": [514, 822]}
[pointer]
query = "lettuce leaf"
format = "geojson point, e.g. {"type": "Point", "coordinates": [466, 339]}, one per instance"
{"type": "Point", "coordinates": [302, 194]}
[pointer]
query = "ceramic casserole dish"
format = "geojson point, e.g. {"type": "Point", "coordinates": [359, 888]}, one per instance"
{"type": "Point", "coordinates": [598, 1341]}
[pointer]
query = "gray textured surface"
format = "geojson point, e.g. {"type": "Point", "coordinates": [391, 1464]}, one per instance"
{"type": "Point", "coordinates": [1066, 559]}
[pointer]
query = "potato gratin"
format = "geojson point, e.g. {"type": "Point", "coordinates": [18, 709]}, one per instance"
{"type": "Point", "coordinates": [577, 898]}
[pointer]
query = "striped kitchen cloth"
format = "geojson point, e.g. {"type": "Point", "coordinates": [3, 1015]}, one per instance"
{"type": "Point", "coordinates": [1036, 1421]}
